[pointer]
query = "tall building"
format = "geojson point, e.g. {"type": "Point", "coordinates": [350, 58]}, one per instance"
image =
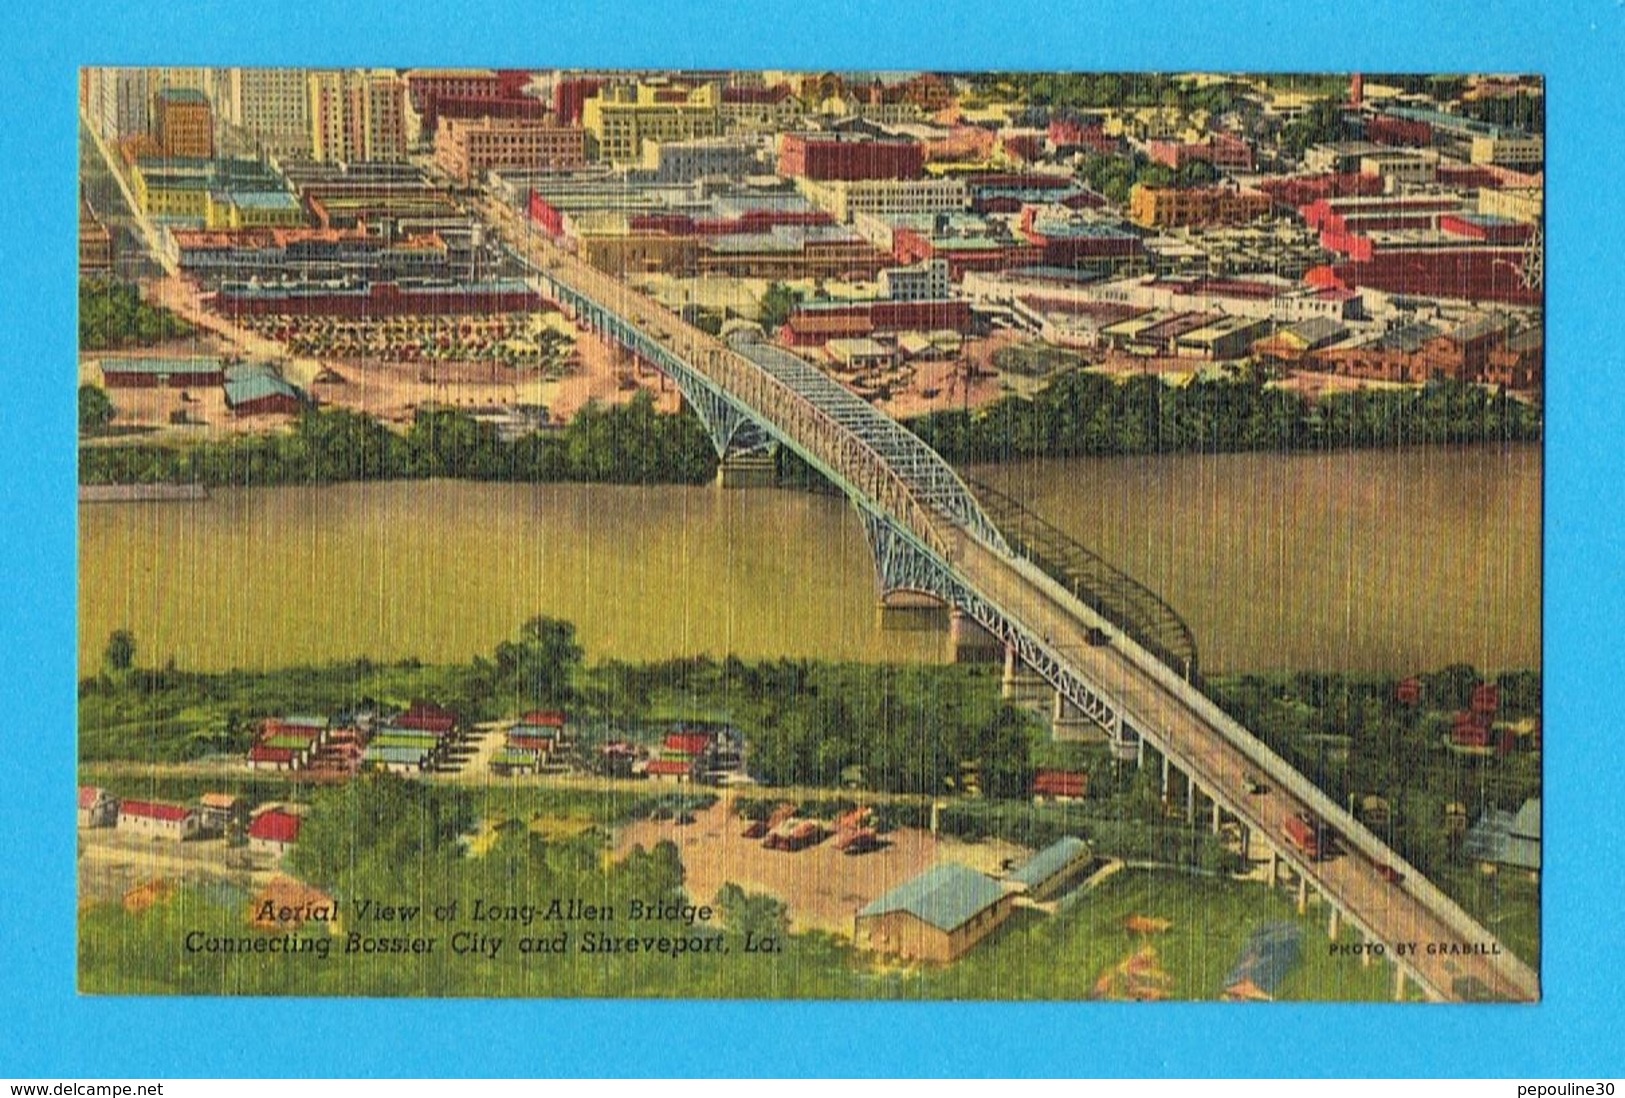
{"type": "Point", "coordinates": [357, 116]}
{"type": "Point", "coordinates": [273, 107]}
{"type": "Point", "coordinates": [622, 117]}
{"type": "Point", "coordinates": [183, 123]}
{"type": "Point", "coordinates": [465, 150]}
{"type": "Point", "coordinates": [122, 102]}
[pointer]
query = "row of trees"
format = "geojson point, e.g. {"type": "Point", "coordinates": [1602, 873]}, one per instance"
{"type": "Point", "coordinates": [112, 316]}
{"type": "Point", "coordinates": [631, 444]}
{"type": "Point", "coordinates": [1082, 413]}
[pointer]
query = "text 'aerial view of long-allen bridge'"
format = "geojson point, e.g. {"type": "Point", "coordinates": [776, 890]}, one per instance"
{"type": "Point", "coordinates": [810, 535]}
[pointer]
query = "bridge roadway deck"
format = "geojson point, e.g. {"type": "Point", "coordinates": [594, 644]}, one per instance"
{"type": "Point", "coordinates": [1387, 913]}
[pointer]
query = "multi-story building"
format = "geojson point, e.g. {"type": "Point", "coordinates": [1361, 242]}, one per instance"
{"type": "Point", "coordinates": [357, 116]}
{"type": "Point", "coordinates": [926, 281]}
{"type": "Point", "coordinates": [686, 161]}
{"type": "Point", "coordinates": [621, 117]}
{"type": "Point", "coordinates": [273, 107]}
{"type": "Point", "coordinates": [848, 156]}
{"type": "Point", "coordinates": [466, 150]}
{"type": "Point", "coordinates": [759, 109]}
{"type": "Point", "coordinates": [121, 102]}
{"type": "Point", "coordinates": [1401, 169]}
{"type": "Point", "coordinates": [1509, 151]}
{"type": "Point", "coordinates": [846, 199]}
{"type": "Point", "coordinates": [1526, 204]}
{"type": "Point", "coordinates": [183, 123]}
{"type": "Point", "coordinates": [1165, 207]}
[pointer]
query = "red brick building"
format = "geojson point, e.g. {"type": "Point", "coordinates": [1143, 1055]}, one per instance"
{"type": "Point", "coordinates": [849, 157]}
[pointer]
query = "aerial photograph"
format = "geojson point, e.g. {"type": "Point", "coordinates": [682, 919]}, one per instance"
{"type": "Point", "coordinates": [884, 535]}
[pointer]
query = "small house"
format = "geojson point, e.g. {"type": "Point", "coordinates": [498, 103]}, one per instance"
{"type": "Point", "coordinates": [168, 821]}
{"type": "Point", "coordinates": [273, 832]}
{"type": "Point", "coordinates": [97, 807]}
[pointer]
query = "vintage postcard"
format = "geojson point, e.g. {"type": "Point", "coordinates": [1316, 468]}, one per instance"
{"type": "Point", "coordinates": [817, 535]}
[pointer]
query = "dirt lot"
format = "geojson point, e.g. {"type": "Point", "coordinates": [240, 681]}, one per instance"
{"type": "Point", "coordinates": [821, 886]}
{"type": "Point", "coordinates": [111, 863]}
{"type": "Point", "coordinates": [389, 391]}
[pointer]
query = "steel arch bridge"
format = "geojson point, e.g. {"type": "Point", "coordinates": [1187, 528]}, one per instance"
{"type": "Point", "coordinates": [928, 534]}
{"type": "Point", "coordinates": [916, 510]}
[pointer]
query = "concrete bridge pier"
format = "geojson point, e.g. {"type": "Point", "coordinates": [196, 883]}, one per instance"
{"type": "Point", "coordinates": [1365, 954]}
{"type": "Point", "coordinates": [1334, 923]}
{"type": "Point", "coordinates": [1067, 723]}
{"type": "Point", "coordinates": [969, 642]}
{"type": "Point", "coordinates": [1216, 817]}
{"type": "Point", "coordinates": [1167, 770]}
{"type": "Point", "coordinates": [1274, 868]}
{"type": "Point", "coordinates": [755, 470]}
{"type": "Point", "coordinates": [1021, 684]}
{"type": "Point", "coordinates": [1190, 800]}
{"type": "Point", "coordinates": [1303, 894]}
{"type": "Point", "coordinates": [1399, 982]}
{"type": "Point", "coordinates": [911, 612]}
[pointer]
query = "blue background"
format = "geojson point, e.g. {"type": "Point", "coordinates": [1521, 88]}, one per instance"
{"type": "Point", "coordinates": [46, 1029]}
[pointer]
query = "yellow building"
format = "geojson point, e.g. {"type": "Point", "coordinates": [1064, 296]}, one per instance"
{"type": "Point", "coordinates": [623, 116]}
{"type": "Point", "coordinates": [1526, 204]}
{"type": "Point", "coordinates": [1509, 152]}
{"type": "Point", "coordinates": [171, 193]}
{"type": "Point", "coordinates": [1169, 207]}
{"type": "Point", "coordinates": [253, 210]}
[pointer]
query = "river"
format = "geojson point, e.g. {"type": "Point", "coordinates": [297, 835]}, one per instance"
{"type": "Point", "coordinates": [1388, 561]}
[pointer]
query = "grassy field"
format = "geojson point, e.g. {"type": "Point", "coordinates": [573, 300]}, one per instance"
{"type": "Point", "coordinates": [1209, 920]}
{"type": "Point", "coordinates": [1507, 903]}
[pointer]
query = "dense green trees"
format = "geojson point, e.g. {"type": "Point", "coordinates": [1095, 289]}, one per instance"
{"type": "Point", "coordinates": [95, 409]}
{"type": "Point", "coordinates": [631, 443]}
{"type": "Point", "coordinates": [112, 315]}
{"type": "Point", "coordinates": [777, 304]}
{"type": "Point", "coordinates": [1080, 413]}
{"type": "Point", "coordinates": [119, 655]}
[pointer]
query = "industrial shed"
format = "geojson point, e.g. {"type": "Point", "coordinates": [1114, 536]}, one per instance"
{"type": "Point", "coordinates": [937, 916]}
{"type": "Point", "coordinates": [1047, 873]}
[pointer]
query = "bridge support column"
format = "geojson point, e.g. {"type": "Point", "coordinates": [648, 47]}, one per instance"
{"type": "Point", "coordinates": [754, 470]}
{"type": "Point", "coordinates": [1216, 817]}
{"type": "Point", "coordinates": [1365, 954]}
{"type": "Point", "coordinates": [1246, 842]}
{"type": "Point", "coordinates": [1275, 868]}
{"type": "Point", "coordinates": [1167, 767]}
{"type": "Point", "coordinates": [1190, 800]}
{"type": "Point", "coordinates": [1020, 683]}
{"type": "Point", "coordinates": [1139, 753]}
{"type": "Point", "coordinates": [1066, 723]}
{"type": "Point", "coordinates": [1334, 923]}
{"type": "Point", "coordinates": [968, 641]}
{"type": "Point", "coordinates": [1303, 894]}
{"type": "Point", "coordinates": [1399, 983]}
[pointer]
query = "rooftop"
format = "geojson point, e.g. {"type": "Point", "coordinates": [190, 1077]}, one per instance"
{"type": "Point", "coordinates": [1053, 859]}
{"type": "Point", "coordinates": [946, 896]}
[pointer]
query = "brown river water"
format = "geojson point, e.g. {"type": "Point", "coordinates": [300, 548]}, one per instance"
{"type": "Point", "coordinates": [1381, 561]}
